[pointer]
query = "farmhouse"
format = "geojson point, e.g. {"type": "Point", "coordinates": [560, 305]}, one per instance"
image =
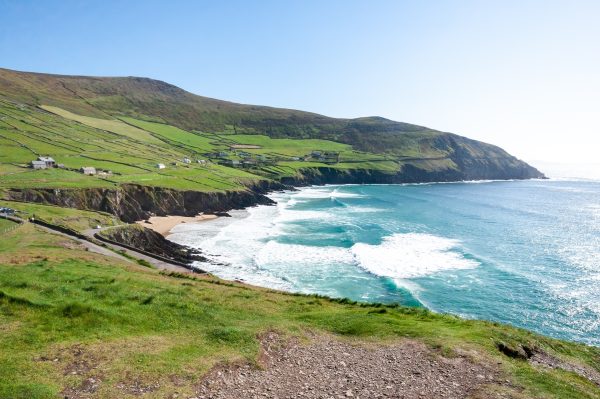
{"type": "Point", "coordinates": [230, 162]}
{"type": "Point", "coordinates": [201, 161]}
{"type": "Point", "coordinates": [49, 161]}
{"type": "Point", "coordinates": [160, 165]}
{"type": "Point", "coordinates": [88, 170]}
{"type": "Point", "coordinates": [331, 157]}
{"type": "Point", "coordinates": [187, 160]}
{"type": "Point", "coordinates": [38, 165]}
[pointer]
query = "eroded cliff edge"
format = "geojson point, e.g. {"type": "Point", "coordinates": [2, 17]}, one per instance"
{"type": "Point", "coordinates": [131, 202]}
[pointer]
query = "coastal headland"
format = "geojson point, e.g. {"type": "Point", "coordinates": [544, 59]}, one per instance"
{"type": "Point", "coordinates": [81, 154]}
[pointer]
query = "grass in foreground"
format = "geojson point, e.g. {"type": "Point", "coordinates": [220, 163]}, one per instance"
{"type": "Point", "coordinates": [67, 314]}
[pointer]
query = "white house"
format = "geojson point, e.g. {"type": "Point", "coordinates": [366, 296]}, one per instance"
{"type": "Point", "coordinates": [38, 165]}
{"type": "Point", "coordinates": [160, 165]}
{"type": "Point", "coordinates": [88, 170]}
{"type": "Point", "coordinates": [187, 160]}
{"type": "Point", "coordinates": [49, 161]}
{"type": "Point", "coordinates": [201, 161]}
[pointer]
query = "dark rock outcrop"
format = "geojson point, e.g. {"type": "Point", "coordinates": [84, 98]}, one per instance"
{"type": "Point", "coordinates": [146, 240]}
{"type": "Point", "coordinates": [474, 170]}
{"type": "Point", "coordinates": [131, 202]}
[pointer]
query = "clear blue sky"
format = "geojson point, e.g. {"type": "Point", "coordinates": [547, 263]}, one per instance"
{"type": "Point", "coordinates": [521, 74]}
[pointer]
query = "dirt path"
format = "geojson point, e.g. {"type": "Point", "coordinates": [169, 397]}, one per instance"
{"type": "Point", "coordinates": [110, 249]}
{"type": "Point", "coordinates": [329, 368]}
{"type": "Point", "coordinates": [159, 264]}
{"type": "Point", "coordinates": [89, 245]}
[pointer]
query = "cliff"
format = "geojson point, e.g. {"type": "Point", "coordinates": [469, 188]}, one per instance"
{"type": "Point", "coordinates": [131, 202]}
{"type": "Point", "coordinates": [146, 240]}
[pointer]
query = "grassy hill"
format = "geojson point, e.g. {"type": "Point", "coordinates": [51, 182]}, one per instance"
{"type": "Point", "coordinates": [78, 324]}
{"type": "Point", "coordinates": [156, 121]}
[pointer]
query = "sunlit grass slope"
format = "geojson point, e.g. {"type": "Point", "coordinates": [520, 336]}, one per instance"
{"type": "Point", "coordinates": [64, 309]}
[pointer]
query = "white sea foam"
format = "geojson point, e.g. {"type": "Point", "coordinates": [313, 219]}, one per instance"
{"type": "Point", "coordinates": [288, 215]}
{"type": "Point", "coordinates": [246, 246]}
{"type": "Point", "coordinates": [411, 255]}
{"type": "Point", "coordinates": [273, 254]}
{"type": "Point", "coordinates": [322, 192]}
{"type": "Point", "coordinates": [556, 259]}
{"type": "Point", "coordinates": [362, 209]}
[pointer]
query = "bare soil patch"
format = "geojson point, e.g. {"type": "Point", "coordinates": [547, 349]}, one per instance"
{"type": "Point", "coordinates": [545, 360]}
{"type": "Point", "coordinates": [330, 368]}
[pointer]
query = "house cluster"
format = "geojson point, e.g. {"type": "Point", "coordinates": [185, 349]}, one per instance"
{"type": "Point", "coordinates": [324, 156]}
{"type": "Point", "coordinates": [92, 171]}
{"type": "Point", "coordinates": [7, 211]}
{"type": "Point", "coordinates": [49, 162]}
{"type": "Point", "coordinates": [246, 161]}
{"type": "Point", "coordinates": [185, 160]}
{"type": "Point", "coordinates": [45, 163]}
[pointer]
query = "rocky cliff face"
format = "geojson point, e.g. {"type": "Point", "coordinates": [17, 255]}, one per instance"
{"type": "Point", "coordinates": [471, 169]}
{"type": "Point", "coordinates": [147, 240]}
{"type": "Point", "coordinates": [132, 202]}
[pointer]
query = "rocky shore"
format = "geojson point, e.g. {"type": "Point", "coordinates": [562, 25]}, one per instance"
{"type": "Point", "coordinates": [150, 241]}
{"type": "Point", "coordinates": [134, 202]}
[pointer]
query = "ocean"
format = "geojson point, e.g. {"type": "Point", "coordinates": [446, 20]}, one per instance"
{"type": "Point", "coordinates": [525, 253]}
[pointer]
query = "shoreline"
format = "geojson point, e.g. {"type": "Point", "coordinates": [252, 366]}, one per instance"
{"type": "Point", "coordinates": [164, 224]}
{"type": "Point", "coordinates": [268, 284]}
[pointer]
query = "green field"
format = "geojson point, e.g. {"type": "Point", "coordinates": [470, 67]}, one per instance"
{"type": "Point", "coordinates": [68, 217]}
{"type": "Point", "coordinates": [5, 225]}
{"type": "Point", "coordinates": [131, 149]}
{"type": "Point", "coordinates": [111, 145]}
{"type": "Point", "coordinates": [110, 125]}
{"type": "Point", "coordinates": [129, 323]}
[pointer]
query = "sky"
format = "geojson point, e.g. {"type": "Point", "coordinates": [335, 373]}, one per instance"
{"type": "Point", "coordinates": [524, 75]}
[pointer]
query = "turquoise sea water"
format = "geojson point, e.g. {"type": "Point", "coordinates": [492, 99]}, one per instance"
{"type": "Point", "coordinates": [521, 252]}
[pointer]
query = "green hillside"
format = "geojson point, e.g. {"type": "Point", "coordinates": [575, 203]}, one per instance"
{"type": "Point", "coordinates": [83, 323]}
{"type": "Point", "coordinates": [78, 324]}
{"type": "Point", "coordinates": [128, 125]}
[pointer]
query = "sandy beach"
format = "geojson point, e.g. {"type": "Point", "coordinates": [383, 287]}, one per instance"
{"type": "Point", "coordinates": [164, 224]}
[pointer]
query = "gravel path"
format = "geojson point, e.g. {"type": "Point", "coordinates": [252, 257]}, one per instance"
{"type": "Point", "coordinates": [89, 245]}
{"type": "Point", "coordinates": [328, 368]}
